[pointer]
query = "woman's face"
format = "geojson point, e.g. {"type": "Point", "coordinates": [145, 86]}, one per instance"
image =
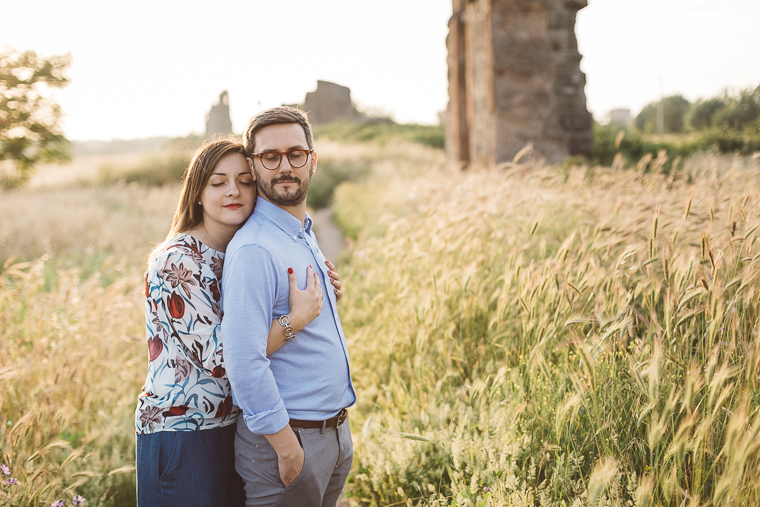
{"type": "Point", "coordinates": [230, 193]}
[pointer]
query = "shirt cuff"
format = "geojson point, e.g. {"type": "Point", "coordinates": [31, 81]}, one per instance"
{"type": "Point", "coordinates": [271, 421]}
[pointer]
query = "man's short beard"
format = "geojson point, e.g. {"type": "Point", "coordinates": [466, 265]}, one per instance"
{"type": "Point", "coordinates": [293, 198]}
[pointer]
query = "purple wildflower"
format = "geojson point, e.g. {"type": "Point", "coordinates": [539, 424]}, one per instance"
{"type": "Point", "coordinates": [485, 488]}
{"type": "Point", "coordinates": [77, 500]}
{"type": "Point", "coordinates": [58, 503]}
{"type": "Point", "coordinates": [5, 469]}
{"type": "Point", "coordinates": [11, 482]}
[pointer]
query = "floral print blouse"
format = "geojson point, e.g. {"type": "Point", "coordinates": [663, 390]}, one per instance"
{"type": "Point", "coordinates": [186, 387]}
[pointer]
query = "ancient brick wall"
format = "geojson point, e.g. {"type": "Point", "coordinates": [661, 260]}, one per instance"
{"type": "Point", "coordinates": [514, 79]}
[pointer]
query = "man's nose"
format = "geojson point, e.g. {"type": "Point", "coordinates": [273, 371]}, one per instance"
{"type": "Point", "coordinates": [285, 165]}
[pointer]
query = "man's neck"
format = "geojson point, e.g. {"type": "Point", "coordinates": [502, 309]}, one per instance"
{"type": "Point", "coordinates": [298, 211]}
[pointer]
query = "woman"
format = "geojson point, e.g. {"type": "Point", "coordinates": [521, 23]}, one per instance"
{"type": "Point", "coordinates": [185, 416]}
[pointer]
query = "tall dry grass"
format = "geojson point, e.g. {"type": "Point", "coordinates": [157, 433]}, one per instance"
{"type": "Point", "coordinates": [558, 337]}
{"type": "Point", "coordinates": [72, 357]}
{"type": "Point", "coordinates": [72, 353]}
{"type": "Point", "coordinates": [551, 336]}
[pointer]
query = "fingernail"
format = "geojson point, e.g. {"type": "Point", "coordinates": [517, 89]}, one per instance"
{"type": "Point", "coordinates": [290, 271]}
{"type": "Point", "coordinates": [310, 266]}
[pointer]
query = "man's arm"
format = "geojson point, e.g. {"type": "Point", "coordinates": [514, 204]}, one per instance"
{"type": "Point", "coordinates": [289, 453]}
{"type": "Point", "coordinates": [249, 290]}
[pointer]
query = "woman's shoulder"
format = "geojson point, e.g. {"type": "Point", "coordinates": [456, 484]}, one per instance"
{"type": "Point", "coordinates": [184, 248]}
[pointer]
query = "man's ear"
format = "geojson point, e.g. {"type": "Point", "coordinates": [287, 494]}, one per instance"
{"type": "Point", "coordinates": [250, 165]}
{"type": "Point", "coordinates": [314, 163]}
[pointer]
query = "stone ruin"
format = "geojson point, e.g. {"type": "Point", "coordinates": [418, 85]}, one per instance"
{"type": "Point", "coordinates": [515, 80]}
{"type": "Point", "coordinates": [330, 102]}
{"type": "Point", "coordinates": [218, 121]}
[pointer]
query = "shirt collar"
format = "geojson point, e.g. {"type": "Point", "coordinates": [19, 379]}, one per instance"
{"type": "Point", "coordinates": [289, 224]}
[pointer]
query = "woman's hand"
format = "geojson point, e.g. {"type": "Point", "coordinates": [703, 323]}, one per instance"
{"type": "Point", "coordinates": [334, 280]}
{"type": "Point", "coordinates": [306, 304]}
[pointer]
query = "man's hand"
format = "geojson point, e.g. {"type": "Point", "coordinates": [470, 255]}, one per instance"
{"type": "Point", "coordinates": [291, 466]}
{"type": "Point", "coordinates": [290, 455]}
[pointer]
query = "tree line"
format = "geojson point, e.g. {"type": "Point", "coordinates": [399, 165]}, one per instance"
{"type": "Point", "coordinates": [739, 111]}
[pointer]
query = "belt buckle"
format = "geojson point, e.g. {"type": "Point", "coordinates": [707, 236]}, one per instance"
{"type": "Point", "coordinates": [342, 416]}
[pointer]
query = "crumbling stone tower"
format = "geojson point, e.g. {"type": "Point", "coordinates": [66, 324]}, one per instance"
{"type": "Point", "coordinates": [218, 121]}
{"type": "Point", "coordinates": [514, 79]}
{"type": "Point", "coordinates": [330, 102]}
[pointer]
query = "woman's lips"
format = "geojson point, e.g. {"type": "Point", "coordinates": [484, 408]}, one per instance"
{"type": "Point", "coordinates": [234, 206]}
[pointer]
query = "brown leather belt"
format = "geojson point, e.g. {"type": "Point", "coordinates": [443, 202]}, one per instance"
{"type": "Point", "coordinates": [332, 422]}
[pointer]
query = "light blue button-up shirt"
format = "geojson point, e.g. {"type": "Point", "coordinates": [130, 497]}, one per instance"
{"type": "Point", "coordinates": [308, 378]}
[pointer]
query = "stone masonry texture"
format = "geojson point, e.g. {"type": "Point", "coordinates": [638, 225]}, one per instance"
{"type": "Point", "coordinates": [330, 102]}
{"type": "Point", "coordinates": [514, 79]}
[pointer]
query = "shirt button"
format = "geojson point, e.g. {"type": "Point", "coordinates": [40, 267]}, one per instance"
{"type": "Point", "coordinates": [294, 236]}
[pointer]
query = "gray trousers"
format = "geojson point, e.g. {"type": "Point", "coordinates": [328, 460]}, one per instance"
{"type": "Point", "coordinates": [327, 461]}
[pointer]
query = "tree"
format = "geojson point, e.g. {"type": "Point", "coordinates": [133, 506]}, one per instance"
{"type": "Point", "coordinates": [740, 111]}
{"type": "Point", "coordinates": [29, 130]}
{"type": "Point", "coordinates": [702, 112]}
{"type": "Point", "coordinates": [674, 112]}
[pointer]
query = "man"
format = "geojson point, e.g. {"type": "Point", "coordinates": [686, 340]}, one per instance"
{"type": "Point", "coordinates": [293, 443]}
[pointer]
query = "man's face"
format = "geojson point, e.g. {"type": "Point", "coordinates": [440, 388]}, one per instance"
{"type": "Point", "coordinates": [285, 186]}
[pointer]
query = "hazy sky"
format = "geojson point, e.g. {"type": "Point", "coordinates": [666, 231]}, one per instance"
{"type": "Point", "coordinates": [146, 68]}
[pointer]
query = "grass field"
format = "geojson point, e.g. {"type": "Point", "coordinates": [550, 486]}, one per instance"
{"type": "Point", "coordinates": [535, 336]}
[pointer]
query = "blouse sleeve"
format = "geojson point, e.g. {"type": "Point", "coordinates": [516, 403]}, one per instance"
{"type": "Point", "coordinates": [190, 309]}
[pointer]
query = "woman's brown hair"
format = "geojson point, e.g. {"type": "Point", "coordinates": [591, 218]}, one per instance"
{"type": "Point", "coordinates": [189, 213]}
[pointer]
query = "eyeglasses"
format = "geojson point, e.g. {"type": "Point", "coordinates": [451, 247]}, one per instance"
{"type": "Point", "coordinates": [271, 159]}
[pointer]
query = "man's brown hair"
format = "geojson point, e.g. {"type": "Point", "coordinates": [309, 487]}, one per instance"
{"type": "Point", "coordinates": [276, 116]}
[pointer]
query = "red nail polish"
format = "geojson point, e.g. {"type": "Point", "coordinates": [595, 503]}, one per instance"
{"type": "Point", "coordinates": [290, 271]}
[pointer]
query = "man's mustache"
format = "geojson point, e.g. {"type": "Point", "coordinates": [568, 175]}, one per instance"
{"type": "Point", "coordinates": [283, 179]}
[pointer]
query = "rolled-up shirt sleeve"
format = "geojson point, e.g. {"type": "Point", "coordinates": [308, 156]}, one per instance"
{"type": "Point", "coordinates": [249, 292]}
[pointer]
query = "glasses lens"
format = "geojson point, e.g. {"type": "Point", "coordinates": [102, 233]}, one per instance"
{"type": "Point", "coordinates": [270, 160]}
{"type": "Point", "coordinates": [297, 158]}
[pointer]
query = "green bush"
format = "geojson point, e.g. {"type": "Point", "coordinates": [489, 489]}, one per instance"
{"type": "Point", "coordinates": [633, 146]}
{"type": "Point", "coordinates": [746, 141]}
{"type": "Point", "coordinates": [333, 172]}
{"type": "Point", "coordinates": [702, 112]}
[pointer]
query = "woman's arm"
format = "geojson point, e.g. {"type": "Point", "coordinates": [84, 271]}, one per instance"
{"type": "Point", "coordinates": [187, 309]}
{"type": "Point", "coordinates": [305, 306]}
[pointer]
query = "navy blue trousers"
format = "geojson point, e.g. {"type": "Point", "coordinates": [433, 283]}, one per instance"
{"type": "Point", "coordinates": [188, 468]}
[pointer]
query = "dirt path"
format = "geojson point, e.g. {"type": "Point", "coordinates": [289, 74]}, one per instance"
{"type": "Point", "coordinates": [329, 236]}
